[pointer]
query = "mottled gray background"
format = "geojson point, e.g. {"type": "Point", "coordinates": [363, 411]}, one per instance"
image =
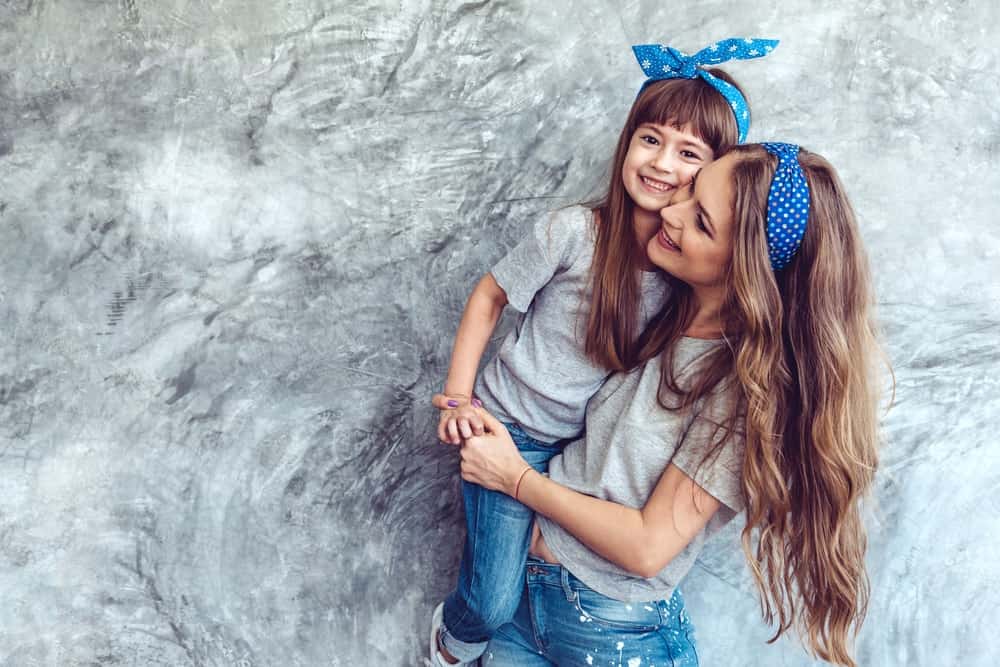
{"type": "Point", "coordinates": [235, 239]}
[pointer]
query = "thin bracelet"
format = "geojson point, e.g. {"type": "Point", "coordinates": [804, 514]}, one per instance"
{"type": "Point", "coordinates": [517, 487]}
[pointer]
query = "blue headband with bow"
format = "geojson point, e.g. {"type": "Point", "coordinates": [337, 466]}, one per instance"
{"type": "Point", "coordinates": [665, 62]}
{"type": "Point", "coordinates": [787, 205]}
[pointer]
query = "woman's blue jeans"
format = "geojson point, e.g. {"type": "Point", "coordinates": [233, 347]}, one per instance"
{"type": "Point", "coordinates": [561, 621]}
{"type": "Point", "coordinates": [491, 576]}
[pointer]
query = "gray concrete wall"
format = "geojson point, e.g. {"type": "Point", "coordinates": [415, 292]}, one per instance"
{"type": "Point", "coordinates": [235, 239]}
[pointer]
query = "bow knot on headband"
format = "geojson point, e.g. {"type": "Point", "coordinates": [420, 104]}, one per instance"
{"type": "Point", "coordinates": [787, 205]}
{"type": "Point", "coordinates": [665, 62]}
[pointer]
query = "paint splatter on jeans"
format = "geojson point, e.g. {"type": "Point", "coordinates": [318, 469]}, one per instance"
{"type": "Point", "coordinates": [561, 621]}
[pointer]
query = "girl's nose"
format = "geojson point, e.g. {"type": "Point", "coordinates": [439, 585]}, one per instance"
{"type": "Point", "coordinates": [663, 162]}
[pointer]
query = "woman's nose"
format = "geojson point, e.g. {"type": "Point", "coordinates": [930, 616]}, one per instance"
{"type": "Point", "coordinates": [669, 216]}
{"type": "Point", "coordinates": [680, 195]}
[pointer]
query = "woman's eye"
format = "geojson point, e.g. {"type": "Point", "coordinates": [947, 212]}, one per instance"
{"type": "Point", "coordinates": [650, 140]}
{"type": "Point", "coordinates": [700, 223]}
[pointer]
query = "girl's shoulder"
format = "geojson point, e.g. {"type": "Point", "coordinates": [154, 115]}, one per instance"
{"type": "Point", "coordinates": [574, 215]}
{"type": "Point", "coordinates": [571, 224]}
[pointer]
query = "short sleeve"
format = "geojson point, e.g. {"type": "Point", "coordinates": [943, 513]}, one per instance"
{"type": "Point", "coordinates": [552, 244]}
{"type": "Point", "coordinates": [718, 470]}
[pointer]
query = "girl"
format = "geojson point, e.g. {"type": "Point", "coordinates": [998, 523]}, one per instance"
{"type": "Point", "coordinates": [761, 399]}
{"type": "Point", "coordinates": [587, 289]}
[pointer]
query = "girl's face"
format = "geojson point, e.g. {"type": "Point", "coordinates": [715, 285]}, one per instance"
{"type": "Point", "coordinates": [660, 160]}
{"type": "Point", "coordinates": [694, 242]}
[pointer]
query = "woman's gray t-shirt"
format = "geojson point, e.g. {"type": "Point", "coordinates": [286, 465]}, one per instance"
{"type": "Point", "coordinates": [629, 441]}
{"type": "Point", "coordinates": [540, 378]}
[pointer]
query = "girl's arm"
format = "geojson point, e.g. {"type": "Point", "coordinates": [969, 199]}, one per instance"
{"type": "Point", "coordinates": [641, 541]}
{"type": "Point", "coordinates": [482, 311]}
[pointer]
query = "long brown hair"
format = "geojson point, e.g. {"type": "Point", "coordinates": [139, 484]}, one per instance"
{"type": "Point", "coordinates": [615, 286]}
{"type": "Point", "coordinates": [803, 351]}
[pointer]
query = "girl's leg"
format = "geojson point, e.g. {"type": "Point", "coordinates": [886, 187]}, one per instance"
{"type": "Point", "coordinates": [491, 576]}
{"type": "Point", "coordinates": [578, 626]}
{"type": "Point", "coordinates": [514, 645]}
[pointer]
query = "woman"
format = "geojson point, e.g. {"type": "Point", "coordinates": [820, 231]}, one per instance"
{"type": "Point", "coordinates": [759, 397]}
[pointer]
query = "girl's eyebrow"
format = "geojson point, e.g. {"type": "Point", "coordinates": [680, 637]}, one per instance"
{"type": "Point", "coordinates": [700, 145]}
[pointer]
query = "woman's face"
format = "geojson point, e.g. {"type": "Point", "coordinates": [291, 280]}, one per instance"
{"type": "Point", "coordinates": [694, 242]}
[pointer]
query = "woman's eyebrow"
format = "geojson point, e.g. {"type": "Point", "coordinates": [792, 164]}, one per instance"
{"type": "Point", "coordinates": [707, 218]}
{"type": "Point", "coordinates": [701, 209]}
{"type": "Point", "coordinates": [694, 179]}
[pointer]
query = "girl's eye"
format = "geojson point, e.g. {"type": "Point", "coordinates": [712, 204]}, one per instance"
{"type": "Point", "coordinates": [690, 155]}
{"type": "Point", "coordinates": [650, 140]}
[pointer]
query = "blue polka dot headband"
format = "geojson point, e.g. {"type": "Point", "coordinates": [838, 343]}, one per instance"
{"type": "Point", "coordinates": [787, 205]}
{"type": "Point", "coordinates": [665, 62]}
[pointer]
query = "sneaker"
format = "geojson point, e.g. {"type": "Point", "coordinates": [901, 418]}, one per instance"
{"type": "Point", "coordinates": [437, 660]}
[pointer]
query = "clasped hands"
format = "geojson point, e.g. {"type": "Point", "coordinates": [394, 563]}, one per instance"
{"type": "Point", "coordinates": [489, 455]}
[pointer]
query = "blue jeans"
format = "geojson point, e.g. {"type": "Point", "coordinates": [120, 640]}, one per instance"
{"type": "Point", "coordinates": [490, 578]}
{"type": "Point", "coordinates": [560, 621]}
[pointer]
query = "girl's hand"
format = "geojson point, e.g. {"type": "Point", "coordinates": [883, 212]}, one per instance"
{"type": "Point", "coordinates": [492, 460]}
{"type": "Point", "coordinates": [460, 417]}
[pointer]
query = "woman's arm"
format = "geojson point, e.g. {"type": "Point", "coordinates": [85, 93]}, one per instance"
{"type": "Point", "coordinates": [479, 319]}
{"type": "Point", "coordinates": [641, 541]}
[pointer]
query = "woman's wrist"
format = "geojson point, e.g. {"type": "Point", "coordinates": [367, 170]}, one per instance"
{"type": "Point", "coordinates": [519, 480]}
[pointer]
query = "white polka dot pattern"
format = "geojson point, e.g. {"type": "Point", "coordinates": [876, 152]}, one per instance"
{"type": "Point", "coordinates": [665, 62]}
{"type": "Point", "coordinates": [787, 205]}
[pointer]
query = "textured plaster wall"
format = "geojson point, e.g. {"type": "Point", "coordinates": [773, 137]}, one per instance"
{"type": "Point", "coordinates": [235, 239]}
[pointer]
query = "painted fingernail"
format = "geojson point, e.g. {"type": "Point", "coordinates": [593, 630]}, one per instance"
{"type": "Point", "coordinates": [476, 403]}
{"type": "Point", "coordinates": [452, 403]}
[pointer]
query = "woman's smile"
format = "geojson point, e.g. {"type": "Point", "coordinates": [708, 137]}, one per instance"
{"type": "Point", "coordinates": [664, 240]}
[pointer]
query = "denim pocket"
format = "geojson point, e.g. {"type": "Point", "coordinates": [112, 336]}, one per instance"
{"type": "Point", "coordinates": [631, 616]}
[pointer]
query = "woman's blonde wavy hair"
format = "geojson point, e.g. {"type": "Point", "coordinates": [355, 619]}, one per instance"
{"type": "Point", "coordinates": [804, 351]}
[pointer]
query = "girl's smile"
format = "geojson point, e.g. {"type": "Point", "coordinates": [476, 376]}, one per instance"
{"type": "Point", "coordinates": [655, 186]}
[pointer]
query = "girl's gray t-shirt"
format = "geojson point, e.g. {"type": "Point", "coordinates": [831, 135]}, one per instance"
{"type": "Point", "coordinates": [540, 377]}
{"type": "Point", "coordinates": [629, 441]}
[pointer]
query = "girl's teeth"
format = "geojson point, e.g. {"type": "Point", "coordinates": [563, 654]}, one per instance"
{"type": "Point", "coordinates": [662, 187]}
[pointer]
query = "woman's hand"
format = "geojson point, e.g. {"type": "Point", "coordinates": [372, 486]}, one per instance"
{"type": "Point", "coordinates": [492, 460]}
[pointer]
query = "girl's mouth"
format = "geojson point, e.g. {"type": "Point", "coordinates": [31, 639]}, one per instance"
{"type": "Point", "coordinates": [656, 186]}
{"type": "Point", "coordinates": [666, 242]}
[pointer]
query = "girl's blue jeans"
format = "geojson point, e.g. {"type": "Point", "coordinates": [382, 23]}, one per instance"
{"type": "Point", "coordinates": [491, 576]}
{"type": "Point", "coordinates": [560, 621]}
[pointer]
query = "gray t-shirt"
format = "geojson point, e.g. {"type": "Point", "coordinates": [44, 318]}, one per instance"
{"type": "Point", "coordinates": [541, 379]}
{"type": "Point", "coordinates": [629, 442]}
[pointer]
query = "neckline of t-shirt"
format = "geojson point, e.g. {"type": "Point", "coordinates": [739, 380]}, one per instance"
{"type": "Point", "coordinates": [695, 339]}
{"type": "Point", "coordinates": [655, 274]}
